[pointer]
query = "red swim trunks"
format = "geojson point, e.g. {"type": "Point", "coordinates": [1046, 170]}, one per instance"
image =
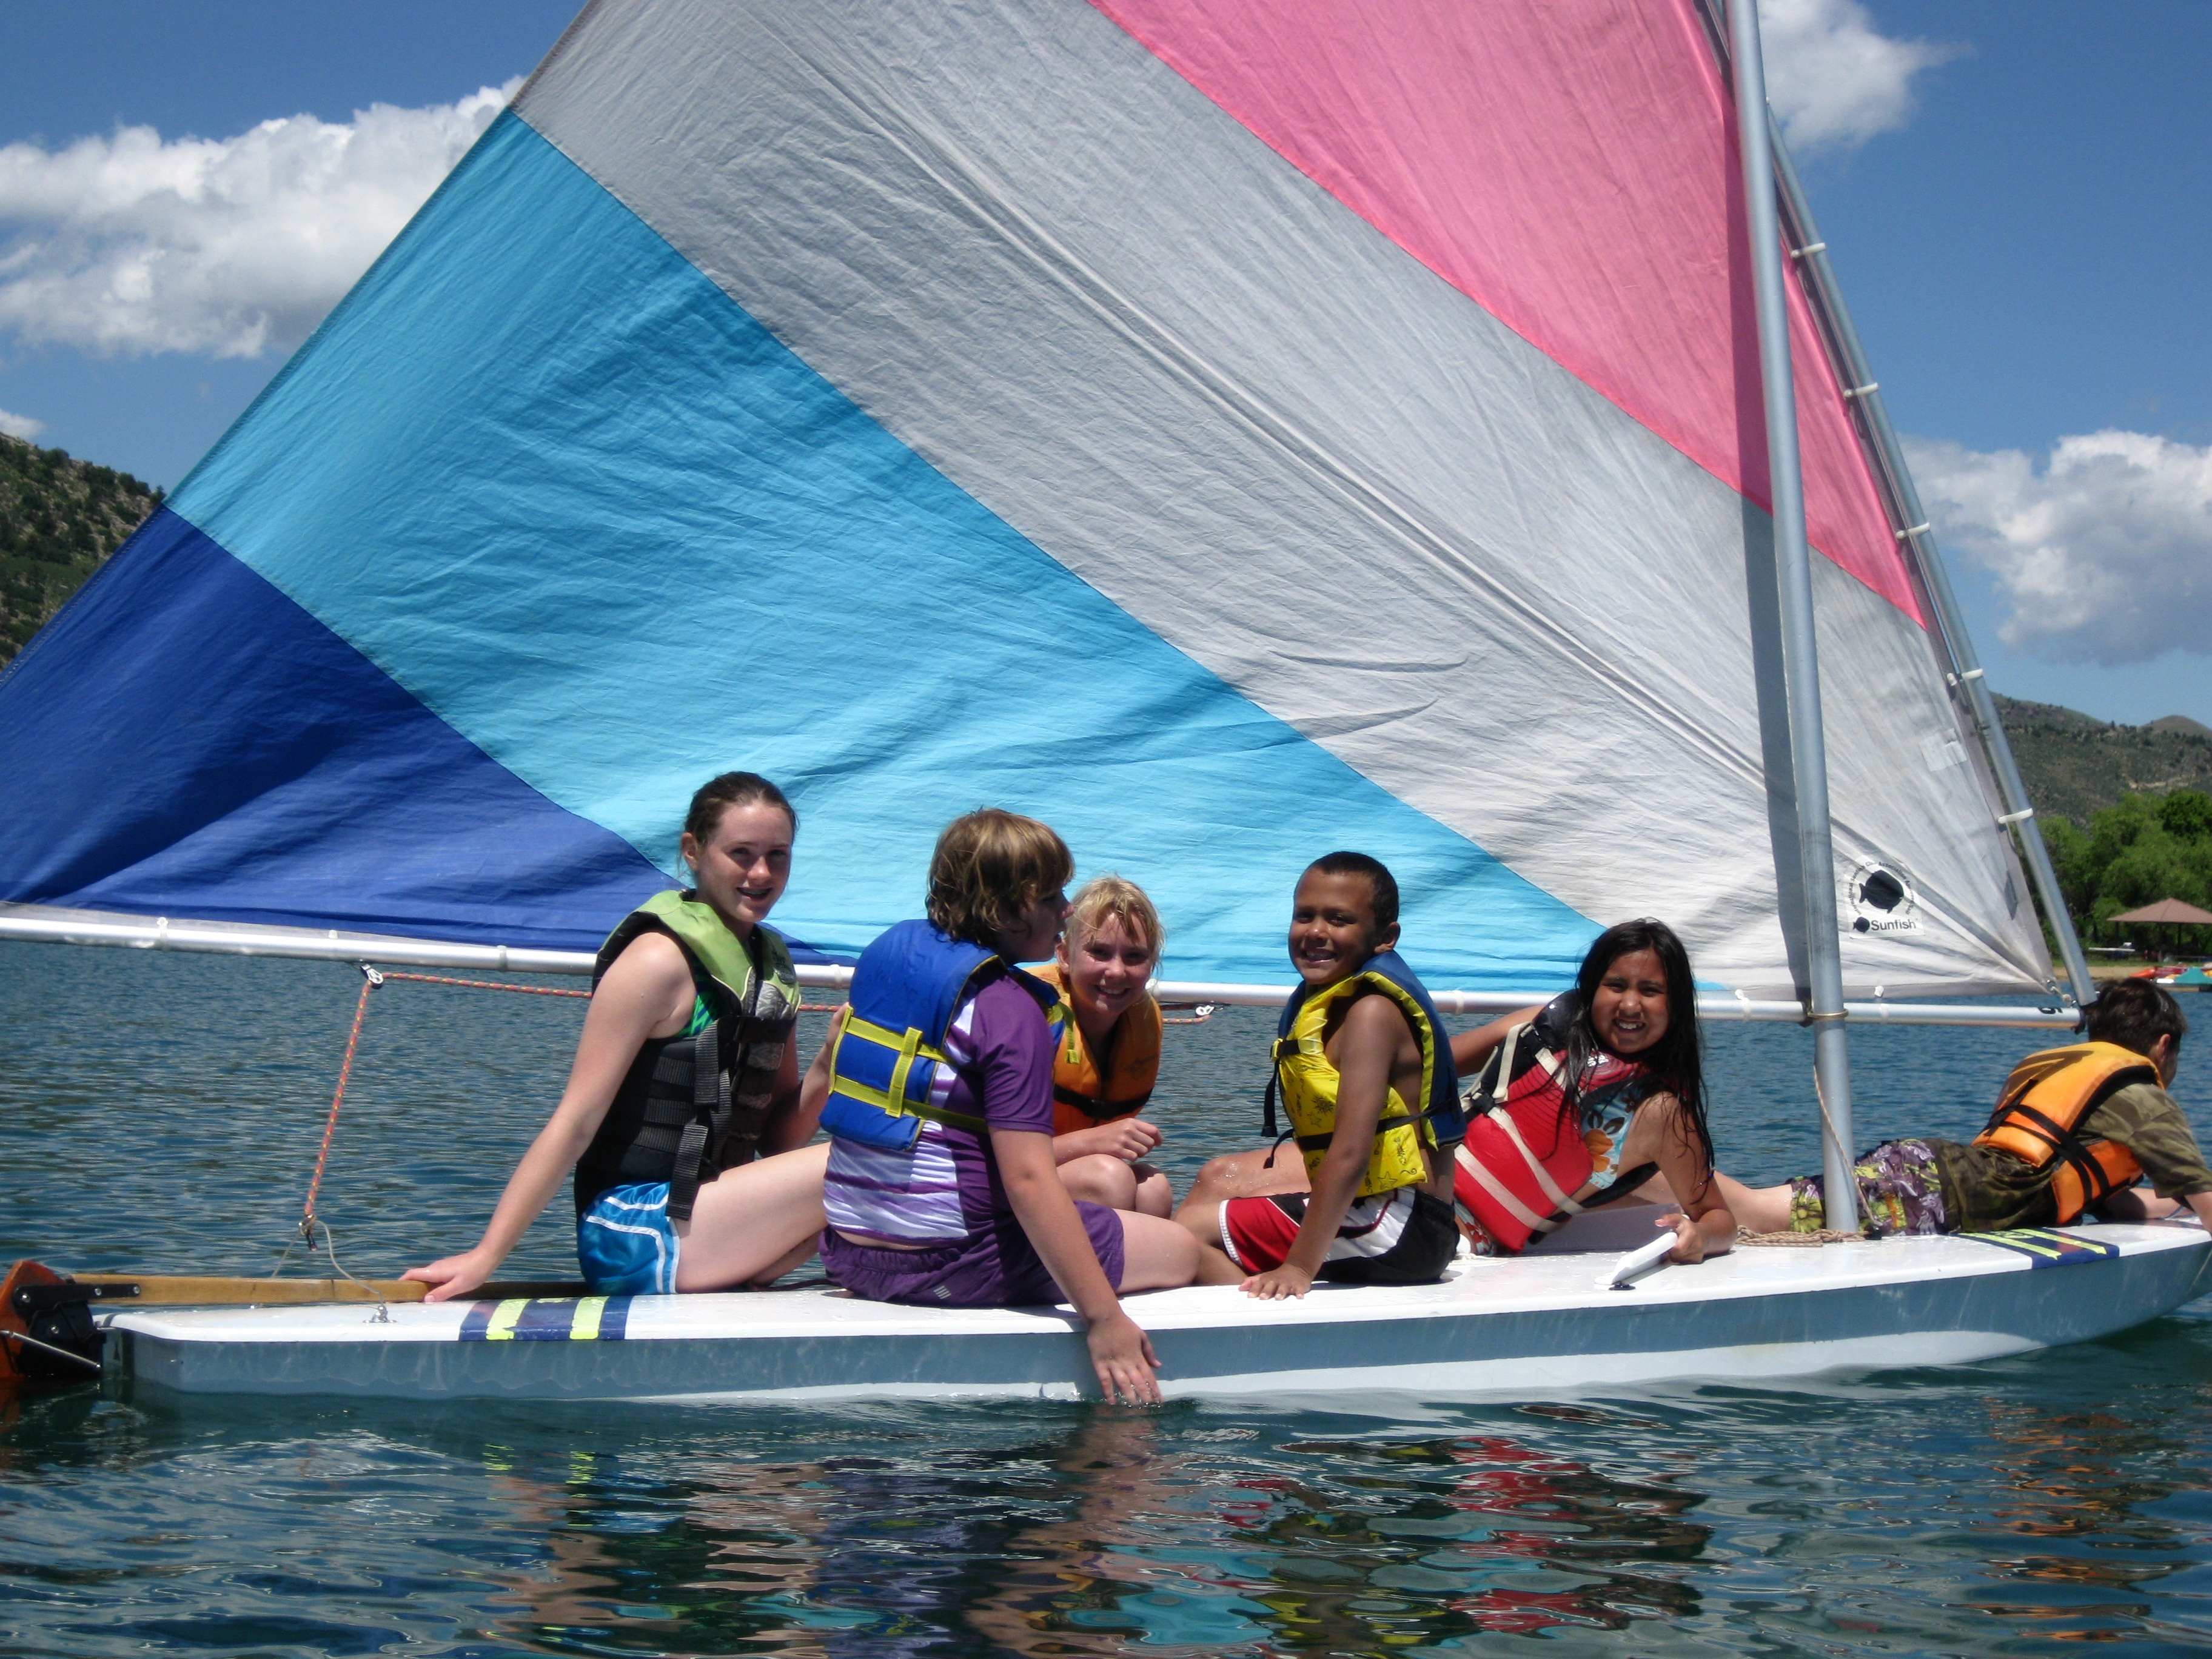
{"type": "Point", "coordinates": [1402, 1237]}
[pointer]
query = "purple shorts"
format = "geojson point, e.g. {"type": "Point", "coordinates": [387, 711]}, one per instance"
{"type": "Point", "coordinates": [997, 1268]}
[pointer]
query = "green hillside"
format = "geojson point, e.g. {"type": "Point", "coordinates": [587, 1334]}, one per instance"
{"type": "Point", "coordinates": [2074, 766]}
{"type": "Point", "coordinates": [59, 519]}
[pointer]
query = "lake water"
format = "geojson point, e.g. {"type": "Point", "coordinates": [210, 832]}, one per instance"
{"type": "Point", "coordinates": [162, 1112]}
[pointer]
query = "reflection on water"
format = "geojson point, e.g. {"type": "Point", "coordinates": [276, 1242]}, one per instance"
{"type": "Point", "coordinates": [2010, 1508]}
{"type": "Point", "coordinates": [2048, 1499]}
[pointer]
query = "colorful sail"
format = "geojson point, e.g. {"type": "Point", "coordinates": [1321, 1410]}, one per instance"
{"type": "Point", "coordinates": [1229, 431]}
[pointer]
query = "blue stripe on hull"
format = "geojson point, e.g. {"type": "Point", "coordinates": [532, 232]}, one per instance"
{"type": "Point", "coordinates": [546, 474]}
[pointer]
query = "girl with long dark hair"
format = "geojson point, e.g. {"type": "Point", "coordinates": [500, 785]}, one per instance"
{"type": "Point", "coordinates": [1581, 1101]}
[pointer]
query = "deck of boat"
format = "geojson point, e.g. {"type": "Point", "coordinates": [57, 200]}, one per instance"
{"type": "Point", "coordinates": [1531, 1325]}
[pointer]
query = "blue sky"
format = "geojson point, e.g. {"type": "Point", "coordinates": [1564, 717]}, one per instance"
{"type": "Point", "coordinates": [2013, 193]}
{"type": "Point", "coordinates": [2027, 260]}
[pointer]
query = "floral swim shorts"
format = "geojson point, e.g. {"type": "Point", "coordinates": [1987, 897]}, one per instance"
{"type": "Point", "coordinates": [1901, 1191]}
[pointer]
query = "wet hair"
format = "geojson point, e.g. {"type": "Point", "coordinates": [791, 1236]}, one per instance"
{"type": "Point", "coordinates": [1379, 879]}
{"type": "Point", "coordinates": [717, 795]}
{"type": "Point", "coordinates": [2134, 1013]}
{"type": "Point", "coordinates": [1677, 1060]}
{"type": "Point", "coordinates": [1110, 896]}
{"type": "Point", "coordinates": [990, 867]}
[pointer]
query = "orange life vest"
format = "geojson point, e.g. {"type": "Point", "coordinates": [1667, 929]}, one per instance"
{"type": "Point", "coordinates": [1524, 1159]}
{"type": "Point", "coordinates": [2040, 1109]}
{"type": "Point", "coordinates": [1081, 1097]}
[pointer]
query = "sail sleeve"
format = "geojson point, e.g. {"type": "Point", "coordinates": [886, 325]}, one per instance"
{"type": "Point", "coordinates": [1187, 424]}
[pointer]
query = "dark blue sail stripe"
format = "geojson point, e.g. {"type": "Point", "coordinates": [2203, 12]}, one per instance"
{"type": "Point", "coordinates": [185, 740]}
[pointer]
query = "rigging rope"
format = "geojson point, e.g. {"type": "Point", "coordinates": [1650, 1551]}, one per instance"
{"type": "Point", "coordinates": [481, 984]}
{"type": "Point", "coordinates": [370, 979]}
{"type": "Point", "coordinates": [1199, 1016]}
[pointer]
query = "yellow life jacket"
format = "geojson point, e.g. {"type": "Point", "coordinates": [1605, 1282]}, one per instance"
{"type": "Point", "coordinates": [1081, 1098]}
{"type": "Point", "coordinates": [2044, 1101]}
{"type": "Point", "coordinates": [1308, 1084]}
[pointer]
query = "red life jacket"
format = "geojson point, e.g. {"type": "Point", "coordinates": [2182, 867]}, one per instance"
{"type": "Point", "coordinates": [1524, 1158]}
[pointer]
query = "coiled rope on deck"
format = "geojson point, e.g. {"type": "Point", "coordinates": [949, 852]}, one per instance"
{"type": "Point", "coordinates": [1822, 1236]}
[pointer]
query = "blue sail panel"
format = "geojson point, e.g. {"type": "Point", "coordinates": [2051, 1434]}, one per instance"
{"type": "Point", "coordinates": [185, 740]}
{"type": "Point", "coordinates": [576, 504]}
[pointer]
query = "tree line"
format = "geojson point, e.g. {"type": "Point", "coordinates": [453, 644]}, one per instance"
{"type": "Point", "coordinates": [2147, 848]}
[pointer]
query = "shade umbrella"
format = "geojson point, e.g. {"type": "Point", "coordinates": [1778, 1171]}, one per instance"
{"type": "Point", "coordinates": [2167, 912]}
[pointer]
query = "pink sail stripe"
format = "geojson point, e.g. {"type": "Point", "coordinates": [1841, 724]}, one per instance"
{"type": "Point", "coordinates": [1571, 167]}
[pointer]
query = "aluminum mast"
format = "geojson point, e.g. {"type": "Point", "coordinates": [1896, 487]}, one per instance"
{"type": "Point", "coordinates": [1799, 650]}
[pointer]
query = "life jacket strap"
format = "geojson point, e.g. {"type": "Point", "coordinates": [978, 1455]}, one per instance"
{"type": "Point", "coordinates": [710, 1113]}
{"type": "Point", "coordinates": [1560, 1201]}
{"type": "Point", "coordinates": [2096, 1181]}
{"type": "Point", "coordinates": [1097, 1107]}
{"type": "Point", "coordinates": [1491, 1184]}
{"type": "Point", "coordinates": [2039, 1126]}
{"type": "Point", "coordinates": [892, 1101]}
{"type": "Point", "coordinates": [1496, 1078]}
{"type": "Point", "coordinates": [1564, 1205]}
{"type": "Point", "coordinates": [1322, 1143]}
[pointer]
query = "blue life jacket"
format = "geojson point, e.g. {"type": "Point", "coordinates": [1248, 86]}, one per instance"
{"type": "Point", "coordinates": [907, 987]}
{"type": "Point", "coordinates": [1386, 971]}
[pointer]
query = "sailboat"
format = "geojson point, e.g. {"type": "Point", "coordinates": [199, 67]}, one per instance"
{"type": "Point", "coordinates": [1226, 429]}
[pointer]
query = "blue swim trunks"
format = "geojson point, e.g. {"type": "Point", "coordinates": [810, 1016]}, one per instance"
{"type": "Point", "coordinates": [626, 1242]}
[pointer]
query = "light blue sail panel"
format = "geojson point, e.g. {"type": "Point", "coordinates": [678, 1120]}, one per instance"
{"type": "Point", "coordinates": [602, 525]}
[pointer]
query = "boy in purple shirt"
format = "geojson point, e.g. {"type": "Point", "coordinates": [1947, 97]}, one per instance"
{"type": "Point", "coordinates": [942, 1189]}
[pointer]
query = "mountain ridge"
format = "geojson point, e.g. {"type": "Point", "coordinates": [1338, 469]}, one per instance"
{"type": "Point", "coordinates": [60, 519]}
{"type": "Point", "coordinates": [2074, 764]}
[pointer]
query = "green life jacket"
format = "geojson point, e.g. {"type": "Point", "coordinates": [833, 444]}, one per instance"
{"type": "Point", "coordinates": [694, 1104]}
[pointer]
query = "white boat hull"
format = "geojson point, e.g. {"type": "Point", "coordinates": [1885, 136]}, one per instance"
{"type": "Point", "coordinates": [1528, 1326]}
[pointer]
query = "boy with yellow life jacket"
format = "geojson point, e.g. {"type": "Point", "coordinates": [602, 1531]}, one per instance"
{"type": "Point", "coordinates": [2074, 1130]}
{"type": "Point", "coordinates": [1364, 1069]}
{"type": "Point", "coordinates": [1108, 1059]}
{"type": "Point", "coordinates": [1582, 1101]}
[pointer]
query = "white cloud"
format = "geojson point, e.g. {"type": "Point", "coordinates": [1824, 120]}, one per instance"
{"type": "Point", "coordinates": [1832, 79]}
{"type": "Point", "coordinates": [2105, 554]}
{"type": "Point", "coordinates": [20, 426]}
{"type": "Point", "coordinates": [231, 246]}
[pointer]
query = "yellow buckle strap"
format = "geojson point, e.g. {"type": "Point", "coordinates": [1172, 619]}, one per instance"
{"type": "Point", "coordinates": [910, 1049]}
{"type": "Point", "coordinates": [909, 1046]}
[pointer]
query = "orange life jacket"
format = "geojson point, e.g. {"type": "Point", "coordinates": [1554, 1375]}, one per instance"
{"type": "Point", "coordinates": [2040, 1109]}
{"type": "Point", "coordinates": [1524, 1159]}
{"type": "Point", "coordinates": [1081, 1097]}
